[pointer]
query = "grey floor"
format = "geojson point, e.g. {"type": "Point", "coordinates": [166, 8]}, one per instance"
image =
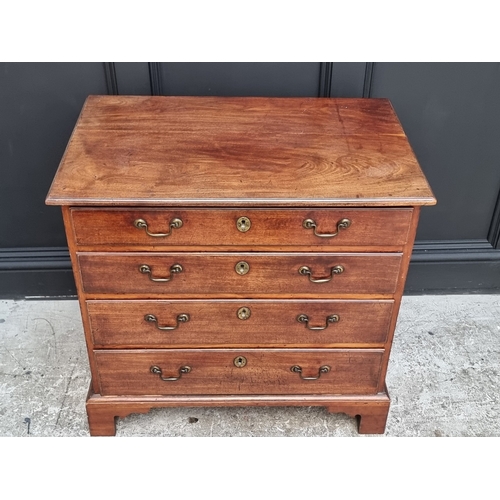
{"type": "Point", "coordinates": [443, 378]}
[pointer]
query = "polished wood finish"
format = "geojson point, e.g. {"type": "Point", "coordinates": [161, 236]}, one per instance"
{"type": "Point", "coordinates": [214, 273]}
{"type": "Point", "coordinates": [81, 296]}
{"type": "Point", "coordinates": [203, 151]}
{"type": "Point", "coordinates": [373, 228]}
{"type": "Point", "coordinates": [215, 323]}
{"type": "Point", "coordinates": [210, 161]}
{"type": "Point", "coordinates": [372, 410]}
{"type": "Point", "coordinates": [127, 372]}
{"type": "Point", "coordinates": [399, 292]}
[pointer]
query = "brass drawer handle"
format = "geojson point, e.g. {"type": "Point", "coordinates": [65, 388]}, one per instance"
{"type": "Point", "coordinates": [181, 318]}
{"type": "Point", "coordinates": [174, 224]}
{"type": "Point", "coordinates": [303, 318]}
{"type": "Point", "coordinates": [311, 224]}
{"type": "Point", "coordinates": [306, 271]}
{"type": "Point", "coordinates": [298, 369]}
{"type": "Point", "coordinates": [145, 269]}
{"type": "Point", "coordinates": [156, 370]}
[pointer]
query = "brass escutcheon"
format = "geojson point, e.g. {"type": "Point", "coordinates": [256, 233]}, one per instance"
{"type": "Point", "coordinates": [244, 313]}
{"type": "Point", "coordinates": [243, 224]}
{"type": "Point", "coordinates": [240, 361]}
{"type": "Point", "coordinates": [242, 267]}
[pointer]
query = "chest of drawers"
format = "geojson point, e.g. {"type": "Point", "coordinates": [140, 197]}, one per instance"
{"type": "Point", "coordinates": [239, 251]}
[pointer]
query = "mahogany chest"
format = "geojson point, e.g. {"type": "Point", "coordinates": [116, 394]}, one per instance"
{"type": "Point", "coordinates": [239, 251]}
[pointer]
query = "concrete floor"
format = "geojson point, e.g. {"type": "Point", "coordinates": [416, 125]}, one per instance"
{"type": "Point", "coordinates": [444, 378]}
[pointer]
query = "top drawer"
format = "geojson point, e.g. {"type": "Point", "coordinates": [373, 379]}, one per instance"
{"type": "Point", "coordinates": [327, 228]}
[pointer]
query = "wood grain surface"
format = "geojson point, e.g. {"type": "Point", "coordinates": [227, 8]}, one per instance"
{"type": "Point", "coordinates": [213, 371]}
{"type": "Point", "coordinates": [368, 227]}
{"type": "Point", "coordinates": [210, 161]}
{"type": "Point", "coordinates": [218, 151]}
{"type": "Point", "coordinates": [215, 323]}
{"type": "Point", "coordinates": [102, 410]}
{"type": "Point", "coordinates": [214, 273]}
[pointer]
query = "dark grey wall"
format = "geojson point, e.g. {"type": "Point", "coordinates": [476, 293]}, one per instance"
{"type": "Point", "coordinates": [240, 79]}
{"type": "Point", "coordinates": [39, 105]}
{"type": "Point", "coordinates": [451, 113]}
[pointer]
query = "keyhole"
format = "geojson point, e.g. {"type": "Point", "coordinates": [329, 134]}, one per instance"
{"type": "Point", "coordinates": [243, 224]}
{"type": "Point", "coordinates": [243, 313]}
{"type": "Point", "coordinates": [242, 267]}
{"type": "Point", "coordinates": [240, 361]}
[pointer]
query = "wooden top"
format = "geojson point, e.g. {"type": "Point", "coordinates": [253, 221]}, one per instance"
{"type": "Point", "coordinates": [238, 151]}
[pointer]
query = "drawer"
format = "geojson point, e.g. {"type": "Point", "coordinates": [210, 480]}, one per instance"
{"type": "Point", "coordinates": [366, 227]}
{"type": "Point", "coordinates": [253, 323]}
{"type": "Point", "coordinates": [213, 371]}
{"type": "Point", "coordinates": [206, 273]}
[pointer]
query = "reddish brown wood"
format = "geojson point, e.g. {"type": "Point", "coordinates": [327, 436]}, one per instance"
{"type": "Point", "coordinates": [102, 410]}
{"type": "Point", "coordinates": [372, 415]}
{"type": "Point", "coordinates": [272, 323]}
{"type": "Point", "coordinates": [399, 292]}
{"type": "Point", "coordinates": [267, 371]}
{"type": "Point", "coordinates": [375, 420]}
{"type": "Point", "coordinates": [368, 227]}
{"type": "Point", "coordinates": [210, 161]}
{"type": "Point", "coordinates": [81, 297]}
{"type": "Point", "coordinates": [214, 273]}
{"type": "Point", "coordinates": [199, 151]}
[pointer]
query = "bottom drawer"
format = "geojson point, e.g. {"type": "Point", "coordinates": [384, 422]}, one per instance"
{"type": "Point", "coordinates": [235, 371]}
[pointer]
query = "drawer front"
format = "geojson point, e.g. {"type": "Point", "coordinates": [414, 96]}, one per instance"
{"type": "Point", "coordinates": [216, 273]}
{"type": "Point", "coordinates": [366, 227]}
{"type": "Point", "coordinates": [254, 323]}
{"type": "Point", "coordinates": [265, 371]}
